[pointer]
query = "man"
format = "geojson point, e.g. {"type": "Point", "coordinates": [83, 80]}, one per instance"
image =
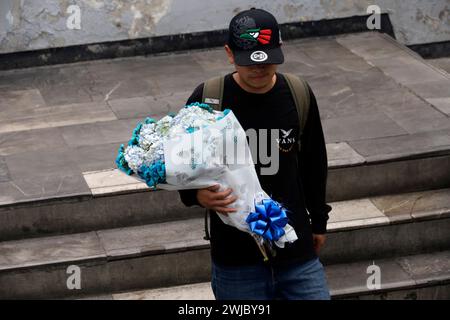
{"type": "Point", "coordinates": [261, 99]}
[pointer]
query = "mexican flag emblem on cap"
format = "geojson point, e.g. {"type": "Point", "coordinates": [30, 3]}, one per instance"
{"type": "Point", "coordinates": [263, 36]}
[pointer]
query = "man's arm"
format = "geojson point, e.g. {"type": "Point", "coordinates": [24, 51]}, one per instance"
{"type": "Point", "coordinates": [313, 169]}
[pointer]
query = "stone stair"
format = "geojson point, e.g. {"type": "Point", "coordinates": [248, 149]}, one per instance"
{"type": "Point", "coordinates": [385, 113]}
{"type": "Point", "coordinates": [415, 277]}
{"type": "Point", "coordinates": [174, 253]}
{"type": "Point", "coordinates": [116, 200]}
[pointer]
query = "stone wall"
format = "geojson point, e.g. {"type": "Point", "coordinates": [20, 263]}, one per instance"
{"type": "Point", "coordinates": [30, 24]}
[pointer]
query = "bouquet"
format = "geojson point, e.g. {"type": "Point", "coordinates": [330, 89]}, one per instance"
{"type": "Point", "coordinates": [200, 147]}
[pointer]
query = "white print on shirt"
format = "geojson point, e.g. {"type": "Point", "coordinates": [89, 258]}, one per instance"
{"type": "Point", "coordinates": [287, 141]}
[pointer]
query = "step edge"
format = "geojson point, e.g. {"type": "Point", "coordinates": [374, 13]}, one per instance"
{"type": "Point", "coordinates": [184, 245]}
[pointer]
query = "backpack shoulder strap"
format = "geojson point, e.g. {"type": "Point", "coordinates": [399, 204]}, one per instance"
{"type": "Point", "coordinates": [300, 93]}
{"type": "Point", "coordinates": [212, 95]}
{"type": "Point", "coordinates": [213, 92]}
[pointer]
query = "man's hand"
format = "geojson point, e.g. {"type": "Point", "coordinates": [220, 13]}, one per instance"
{"type": "Point", "coordinates": [318, 242]}
{"type": "Point", "coordinates": [211, 198]}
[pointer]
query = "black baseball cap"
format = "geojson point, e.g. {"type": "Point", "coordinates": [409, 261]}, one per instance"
{"type": "Point", "coordinates": [255, 38]}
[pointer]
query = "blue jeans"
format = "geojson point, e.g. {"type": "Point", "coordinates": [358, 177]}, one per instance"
{"type": "Point", "coordinates": [304, 281]}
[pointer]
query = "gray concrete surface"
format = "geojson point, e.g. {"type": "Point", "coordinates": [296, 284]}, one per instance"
{"type": "Point", "coordinates": [443, 63]}
{"type": "Point", "coordinates": [57, 122]}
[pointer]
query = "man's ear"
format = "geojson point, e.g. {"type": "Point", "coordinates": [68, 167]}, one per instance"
{"type": "Point", "coordinates": [229, 54]}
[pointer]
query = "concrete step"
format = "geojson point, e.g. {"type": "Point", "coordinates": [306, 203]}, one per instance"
{"type": "Point", "coordinates": [86, 213]}
{"type": "Point", "coordinates": [174, 253]}
{"type": "Point", "coordinates": [117, 200]}
{"type": "Point", "coordinates": [384, 110]}
{"type": "Point", "coordinates": [415, 277]}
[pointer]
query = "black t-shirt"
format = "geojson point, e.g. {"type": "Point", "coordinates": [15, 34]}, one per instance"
{"type": "Point", "coordinates": [299, 184]}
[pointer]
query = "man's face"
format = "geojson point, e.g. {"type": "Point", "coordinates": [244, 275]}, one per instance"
{"type": "Point", "coordinates": [256, 76]}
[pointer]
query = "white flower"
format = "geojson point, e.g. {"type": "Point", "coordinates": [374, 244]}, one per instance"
{"type": "Point", "coordinates": [163, 126]}
{"type": "Point", "coordinates": [147, 136]}
{"type": "Point", "coordinates": [134, 155]}
{"type": "Point", "coordinates": [151, 138]}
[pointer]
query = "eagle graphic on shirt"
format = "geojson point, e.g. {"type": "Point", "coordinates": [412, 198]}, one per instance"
{"type": "Point", "coordinates": [263, 36]}
{"type": "Point", "coordinates": [285, 133]}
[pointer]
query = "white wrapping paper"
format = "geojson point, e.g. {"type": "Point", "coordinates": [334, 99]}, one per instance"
{"type": "Point", "coordinates": [218, 154]}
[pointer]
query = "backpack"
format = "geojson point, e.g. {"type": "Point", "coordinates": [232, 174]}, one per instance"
{"type": "Point", "coordinates": [213, 95]}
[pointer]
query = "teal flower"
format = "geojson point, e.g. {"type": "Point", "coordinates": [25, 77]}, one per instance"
{"type": "Point", "coordinates": [121, 162]}
{"type": "Point", "coordinates": [135, 138]}
{"type": "Point", "coordinates": [153, 174]}
{"type": "Point", "coordinates": [149, 120]}
{"type": "Point", "coordinates": [224, 113]}
{"type": "Point", "coordinates": [191, 129]}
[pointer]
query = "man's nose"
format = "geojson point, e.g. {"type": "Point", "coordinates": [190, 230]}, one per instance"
{"type": "Point", "coordinates": [259, 67]}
